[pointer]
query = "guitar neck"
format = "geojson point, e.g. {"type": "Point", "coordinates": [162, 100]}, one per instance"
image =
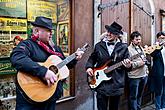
{"type": "Point", "coordinates": [66, 60]}
{"type": "Point", "coordinates": [109, 69]}
{"type": "Point", "coordinates": [71, 57]}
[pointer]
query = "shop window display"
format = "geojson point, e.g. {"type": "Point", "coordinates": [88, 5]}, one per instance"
{"type": "Point", "coordinates": [15, 18]}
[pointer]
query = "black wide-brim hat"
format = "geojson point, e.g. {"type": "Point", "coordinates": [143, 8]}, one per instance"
{"type": "Point", "coordinates": [44, 22]}
{"type": "Point", "coordinates": [114, 28]}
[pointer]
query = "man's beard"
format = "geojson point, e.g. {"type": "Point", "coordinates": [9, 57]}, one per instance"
{"type": "Point", "coordinates": [137, 44]}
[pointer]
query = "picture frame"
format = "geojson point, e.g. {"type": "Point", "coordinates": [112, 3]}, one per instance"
{"type": "Point", "coordinates": [63, 36]}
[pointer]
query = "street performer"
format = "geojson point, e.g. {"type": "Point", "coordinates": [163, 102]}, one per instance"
{"type": "Point", "coordinates": [157, 76]}
{"type": "Point", "coordinates": [37, 49]}
{"type": "Point", "coordinates": [137, 78]}
{"type": "Point", "coordinates": [110, 48]}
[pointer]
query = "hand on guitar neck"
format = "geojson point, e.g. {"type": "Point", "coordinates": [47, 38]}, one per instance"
{"type": "Point", "coordinates": [79, 53]}
{"type": "Point", "coordinates": [127, 63]}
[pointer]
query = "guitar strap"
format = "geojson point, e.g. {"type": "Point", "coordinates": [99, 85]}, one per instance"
{"type": "Point", "coordinates": [141, 52]}
{"type": "Point", "coordinates": [44, 46]}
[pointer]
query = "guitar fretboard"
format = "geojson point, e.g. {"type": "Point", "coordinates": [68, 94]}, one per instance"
{"type": "Point", "coordinates": [66, 60]}
{"type": "Point", "coordinates": [109, 69]}
{"type": "Point", "coordinates": [71, 57]}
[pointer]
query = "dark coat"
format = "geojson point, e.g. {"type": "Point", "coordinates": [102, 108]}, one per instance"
{"type": "Point", "coordinates": [99, 57]}
{"type": "Point", "coordinates": [157, 73]}
{"type": "Point", "coordinates": [25, 57]}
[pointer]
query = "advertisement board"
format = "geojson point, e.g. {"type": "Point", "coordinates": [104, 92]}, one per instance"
{"type": "Point", "coordinates": [42, 8]}
{"type": "Point", "coordinates": [13, 8]}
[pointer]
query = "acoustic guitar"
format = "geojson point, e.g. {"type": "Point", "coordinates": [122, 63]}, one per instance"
{"type": "Point", "coordinates": [35, 88]}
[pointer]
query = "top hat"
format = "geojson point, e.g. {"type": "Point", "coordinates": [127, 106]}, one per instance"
{"type": "Point", "coordinates": [114, 28]}
{"type": "Point", "coordinates": [44, 22]}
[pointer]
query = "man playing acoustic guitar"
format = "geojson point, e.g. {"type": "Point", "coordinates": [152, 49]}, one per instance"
{"type": "Point", "coordinates": [26, 57]}
{"type": "Point", "coordinates": [110, 48]}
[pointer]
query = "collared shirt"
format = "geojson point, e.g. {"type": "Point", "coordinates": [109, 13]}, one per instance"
{"type": "Point", "coordinates": [110, 47]}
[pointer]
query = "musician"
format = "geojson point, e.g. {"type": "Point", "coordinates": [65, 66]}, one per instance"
{"type": "Point", "coordinates": [137, 78]}
{"type": "Point", "coordinates": [157, 75]}
{"type": "Point", "coordinates": [37, 49]}
{"type": "Point", "coordinates": [110, 48]}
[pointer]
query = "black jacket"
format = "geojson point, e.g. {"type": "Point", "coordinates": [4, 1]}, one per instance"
{"type": "Point", "coordinates": [27, 54]}
{"type": "Point", "coordinates": [99, 57]}
{"type": "Point", "coordinates": [157, 73]}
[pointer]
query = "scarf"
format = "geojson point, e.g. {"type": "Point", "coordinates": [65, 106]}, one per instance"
{"type": "Point", "coordinates": [44, 46]}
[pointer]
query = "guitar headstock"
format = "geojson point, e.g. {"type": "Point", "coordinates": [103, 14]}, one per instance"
{"type": "Point", "coordinates": [150, 49]}
{"type": "Point", "coordinates": [85, 47]}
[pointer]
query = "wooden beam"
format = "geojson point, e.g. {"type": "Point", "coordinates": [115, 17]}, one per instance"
{"type": "Point", "coordinates": [130, 16]}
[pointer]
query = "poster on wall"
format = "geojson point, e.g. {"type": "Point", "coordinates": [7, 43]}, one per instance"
{"type": "Point", "coordinates": [63, 42]}
{"type": "Point", "coordinates": [9, 28]}
{"type": "Point", "coordinates": [13, 8]}
{"type": "Point", "coordinates": [63, 36]}
{"type": "Point", "coordinates": [11, 24]}
{"type": "Point", "coordinates": [63, 11]}
{"type": "Point", "coordinates": [6, 67]}
{"type": "Point", "coordinates": [41, 8]}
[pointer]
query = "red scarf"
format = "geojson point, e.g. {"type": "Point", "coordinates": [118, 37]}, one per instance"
{"type": "Point", "coordinates": [44, 46]}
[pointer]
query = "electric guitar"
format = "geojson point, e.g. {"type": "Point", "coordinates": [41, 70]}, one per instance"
{"type": "Point", "coordinates": [35, 88]}
{"type": "Point", "coordinates": [150, 49]}
{"type": "Point", "coordinates": [100, 73]}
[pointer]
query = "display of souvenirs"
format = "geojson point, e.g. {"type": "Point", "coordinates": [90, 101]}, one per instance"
{"type": "Point", "coordinates": [15, 26]}
{"type": "Point", "coordinates": [7, 93]}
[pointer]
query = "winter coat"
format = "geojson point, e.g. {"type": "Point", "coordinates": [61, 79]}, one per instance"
{"type": "Point", "coordinates": [157, 73]}
{"type": "Point", "coordinates": [139, 70]}
{"type": "Point", "coordinates": [25, 58]}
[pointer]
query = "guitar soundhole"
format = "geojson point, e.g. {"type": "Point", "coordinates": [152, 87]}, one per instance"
{"type": "Point", "coordinates": [53, 68]}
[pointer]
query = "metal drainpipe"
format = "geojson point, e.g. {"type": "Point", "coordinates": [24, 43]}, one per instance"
{"type": "Point", "coordinates": [153, 25]}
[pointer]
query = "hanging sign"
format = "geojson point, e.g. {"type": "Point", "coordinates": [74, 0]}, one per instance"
{"type": "Point", "coordinates": [42, 8]}
{"type": "Point", "coordinates": [11, 24]}
{"type": "Point", "coordinates": [5, 66]}
{"type": "Point", "coordinates": [13, 8]}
